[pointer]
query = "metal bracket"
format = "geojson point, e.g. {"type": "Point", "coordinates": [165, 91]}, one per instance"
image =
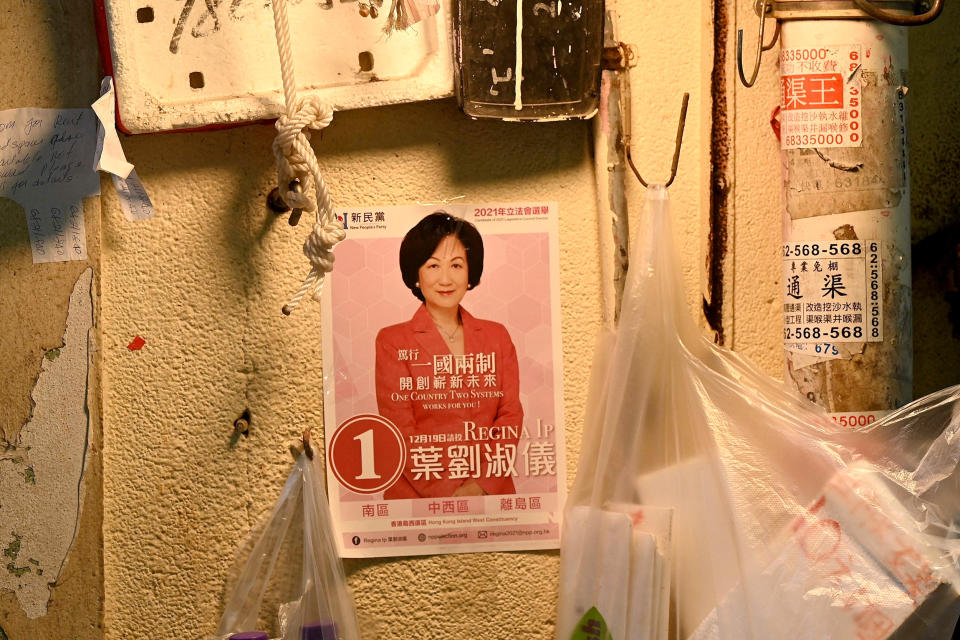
{"type": "Point", "coordinates": [241, 426]}
{"type": "Point", "coordinates": [893, 11]}
{"type": "Point", "coordinates": [932, 13]}
{"type": "Point", "coordinates": [276, 203]}
{"type": "Point", "coordinates": [619, 58]}
{"type": "Point", "coordinates": [896, 12]}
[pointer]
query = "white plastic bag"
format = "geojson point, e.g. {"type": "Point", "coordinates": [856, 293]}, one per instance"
{"type": "Point", "coordinates": [319, 605]}
{"type": "Point", "coordinates": [785, 525]}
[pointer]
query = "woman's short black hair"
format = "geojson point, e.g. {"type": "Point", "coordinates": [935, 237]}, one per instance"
{"type": "Point", "coordinates": [424, 238]}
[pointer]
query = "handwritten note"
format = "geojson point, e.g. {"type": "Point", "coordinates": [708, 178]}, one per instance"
{"type": "Point", "coordinates": [134, 200]}
{"type": "Point", "coordinates": [46, 165]}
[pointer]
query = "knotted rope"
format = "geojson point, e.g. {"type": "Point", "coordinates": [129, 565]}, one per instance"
{"type": "Point", "coordinates": [297, 164]}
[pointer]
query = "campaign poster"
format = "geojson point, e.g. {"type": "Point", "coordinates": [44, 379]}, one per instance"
{"type": "Point", "coordinates": [443, 398]}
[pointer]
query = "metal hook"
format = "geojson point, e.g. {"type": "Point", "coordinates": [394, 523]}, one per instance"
{"type": "Point", "coordinates": [676, 150]}
{"type": "Point", "coordinates": [307, 449]}
{"type": "Point", "coordinates": [241, 426]}
{"type": "Point", "coordinates": [764, 9]}
{"type": "Point", "coordinates": [278, 205]}
{"type": "Point", "coordinates": [901, 20]}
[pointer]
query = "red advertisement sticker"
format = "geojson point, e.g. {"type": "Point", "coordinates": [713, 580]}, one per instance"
{"type": "Point", "coordinates": [820, 96]}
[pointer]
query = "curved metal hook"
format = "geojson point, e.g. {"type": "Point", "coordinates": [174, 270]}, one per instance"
{"type": "Point", "coordinates": [901, 20]}
{"type": "Point", "coordinates": [676, 148]}
{"type": "Point", "coordinates": [765, 8]}
{"type": "Point", "coordinates": [307, 449]}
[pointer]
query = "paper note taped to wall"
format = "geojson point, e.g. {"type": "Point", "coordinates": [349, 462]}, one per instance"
{"type": "Point", "coordinates": [134, 200]}
{"type": "Point", "coordinates": [109, 157]}
{"type": "Point", "coordinates": [46, 166]}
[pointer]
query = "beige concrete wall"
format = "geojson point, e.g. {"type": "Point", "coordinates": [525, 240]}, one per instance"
{"type": "Point", "coordinates": [203, 284]}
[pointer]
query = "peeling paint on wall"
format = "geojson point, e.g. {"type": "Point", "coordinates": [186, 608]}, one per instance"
{"type": "Point", "coordinates": [41, 471]}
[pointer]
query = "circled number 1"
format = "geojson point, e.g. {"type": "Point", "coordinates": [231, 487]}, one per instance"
{"type": "Point", "coordinates": [367, 471]}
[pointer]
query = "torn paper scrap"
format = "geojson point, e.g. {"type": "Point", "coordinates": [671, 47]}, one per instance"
{"type": "Point", "coordinates": [109, 155]}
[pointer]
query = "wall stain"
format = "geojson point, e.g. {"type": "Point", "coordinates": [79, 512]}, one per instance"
{"type": "Point", "coordinates": [13, 549]}
{"type": "Point", "coordinates": [17, 571]}
{"type": "Point", "coordinates": [939, 253]}
{"type": "Point", "coordinates": [719, 171]}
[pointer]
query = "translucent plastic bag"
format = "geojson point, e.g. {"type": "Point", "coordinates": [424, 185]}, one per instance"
{"type": "Point", "coordinates": [784, 524]}
{"type": "Point", "coordinates": [317, 604]}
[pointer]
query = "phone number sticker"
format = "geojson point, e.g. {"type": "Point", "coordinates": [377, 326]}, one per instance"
{"type": "Point", "coordinates": [833, 293]}
{"type": "Point", "coordinates": [820, 101]}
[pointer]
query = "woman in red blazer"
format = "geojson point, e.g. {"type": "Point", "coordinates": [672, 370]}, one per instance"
{"type": "Point", "coordinates": [448, 380]}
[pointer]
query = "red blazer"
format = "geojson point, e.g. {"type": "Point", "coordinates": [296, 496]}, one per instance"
{"type": "Point", "coordinates": [411, 351]}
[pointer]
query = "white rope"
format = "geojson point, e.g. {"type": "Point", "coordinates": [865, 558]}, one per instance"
{"type": "Point", "coordinates": [296, 160]}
